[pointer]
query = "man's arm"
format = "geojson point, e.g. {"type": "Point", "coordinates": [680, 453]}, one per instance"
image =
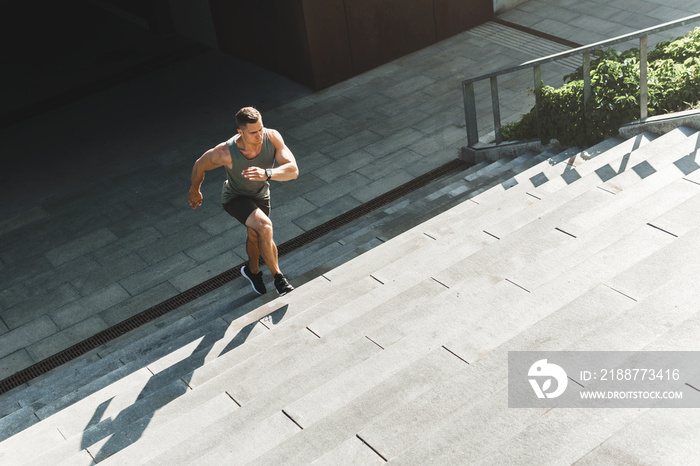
{"type": "Point", "coordinates": [287, 169]}
{"type": "Point", "coordinates": [211, 159]}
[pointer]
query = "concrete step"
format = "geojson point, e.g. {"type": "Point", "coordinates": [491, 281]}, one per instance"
{"type": "Point", "coordinates": [553, 225]}
{"type": "Point", "coordinates": [147, 339]}
{"type": "Point", "coordinates": [408, 425]}
{"type": "Point", "coordinates": [386, 309]}
{"type": "Point", "coordinates": [259, 408]}
{"type": "Point", "coordinates": [661, 254]}
{"type": "Point", "coordinates": [675, 424]}
{"type": "Point", "coordinates": [663, 144]}
{"type": "Point", "coordinates": [182, 372]}
{"type": "Point", "coordinates": [518, 192]}
{"type": "Point", "coordinates": [396, 218]}
{"type": "Point", "coordinates": [603, 320]}
{"type": "Point", "coordinates": [175, 344]}
{"type": "Point", "coordinates": [599, 310]}
{"type": "Point", "coordinates": [329, 438]}
{"type": "Point", "coordinates": [393, 357]}
{"type": "Point", "coordinates": [490, 214]}
{"type": "Point", "coordinates": [86, 398]}
{"type": "Point", "coordinates": [592, 310]}
{"type": "Point", "coordinates": [50, 396]}
{"type": "Point", "coordinates": [237, 398]}
{"type": "Point", "coordinates": [421, 206]}
{"type": "Point", "coordinates": [557, 251]}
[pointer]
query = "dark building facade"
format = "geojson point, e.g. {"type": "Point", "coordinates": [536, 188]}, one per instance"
{"type": "Point", "coordinates": [315, 42]}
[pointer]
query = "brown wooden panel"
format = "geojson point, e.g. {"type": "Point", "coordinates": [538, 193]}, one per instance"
{"type": "Point", "coordinates": [321, 42]}
{"type": "Point", "coordinates": [383, 30]}
{"type": "Point", "coordinates": [328, 41]}
{"type": "Point", "coordinates": [293, 57]}
{"type": "Point", "coordinates": [455, 16]}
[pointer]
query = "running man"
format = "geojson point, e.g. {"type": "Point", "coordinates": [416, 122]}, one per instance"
{"type": "Point", "coordinates": [249, 158]}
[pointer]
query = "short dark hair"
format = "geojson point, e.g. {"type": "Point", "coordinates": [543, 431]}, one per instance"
{"type": "Point", "coordinates": [247, 115]}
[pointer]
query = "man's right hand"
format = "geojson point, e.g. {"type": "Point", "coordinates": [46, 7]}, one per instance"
{"type": "Point", "coordinates": [195, 198]}
{"type": "Point", "coordinates": [211, 159]}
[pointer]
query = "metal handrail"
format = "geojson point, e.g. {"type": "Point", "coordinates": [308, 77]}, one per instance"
{"type": "Point", "coordinates": [642, 34]}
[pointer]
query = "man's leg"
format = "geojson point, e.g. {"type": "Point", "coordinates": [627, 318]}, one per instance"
{"type": "Point", "coordinates": [241, 208]}
{"type": "Point", "coordinates": [265, 246]}
{"type": "Point", "coordinates": [261, 225]}
{"type": "Point", "coordinates": [253, 250]}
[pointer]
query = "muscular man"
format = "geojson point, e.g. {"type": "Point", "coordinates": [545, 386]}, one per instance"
{"type": "Point", "coordinates": [248, 158]}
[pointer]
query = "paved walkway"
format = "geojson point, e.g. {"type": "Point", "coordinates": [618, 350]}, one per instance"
{"type": "Point", "coordinates": [94, 223]}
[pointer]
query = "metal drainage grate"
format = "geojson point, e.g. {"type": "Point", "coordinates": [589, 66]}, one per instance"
{"type": "Point", "coordinates": [95, 341]}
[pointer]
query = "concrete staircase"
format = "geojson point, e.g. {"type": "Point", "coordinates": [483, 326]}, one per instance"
{"type": "Point", "coordinates": [394, 347]}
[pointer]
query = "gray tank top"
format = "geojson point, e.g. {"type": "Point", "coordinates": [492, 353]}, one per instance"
{"type": "Point", "coordinates": [235, 185]}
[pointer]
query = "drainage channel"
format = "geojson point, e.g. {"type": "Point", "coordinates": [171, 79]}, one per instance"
{"type": "Point", "coordinates": [134, 322]}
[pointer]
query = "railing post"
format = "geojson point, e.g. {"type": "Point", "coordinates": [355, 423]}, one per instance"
{"type": "Point", "coordinates": [586, 78]}
{"type": "Point", "coordinates": [470, 114]}
{"type": "Point", "coordinates": [537, 71]}
{"type": "Point", "coordinates": [586, 88]}
{"type": "Point", "coordinates": [496, 110]}
{"type": "Point", "coordinates": [643, 83]}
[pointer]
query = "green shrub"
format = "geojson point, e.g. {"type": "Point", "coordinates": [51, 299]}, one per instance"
{"type": "Point", "coordinates": [673, 85]}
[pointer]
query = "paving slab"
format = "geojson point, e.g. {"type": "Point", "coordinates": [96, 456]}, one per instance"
{"type": "Point", "coordinates": [31, 332]}
{"type": "Point", "coordinates": [54, 343]}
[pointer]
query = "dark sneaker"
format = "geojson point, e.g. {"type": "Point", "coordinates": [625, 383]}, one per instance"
{"type": "Point", "coordinates": [255, 280]}
{"type": "Point", "coordinates": [282, 285]}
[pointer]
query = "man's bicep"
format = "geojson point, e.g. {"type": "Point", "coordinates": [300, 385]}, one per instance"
{"type": "Point", "coordinates": [283, 154]}
{"type": "Point", "coordinates": [216, 157]}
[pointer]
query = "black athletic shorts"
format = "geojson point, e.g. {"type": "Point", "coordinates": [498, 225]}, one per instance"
{"type": "Point", "coordinates": [241, 207]}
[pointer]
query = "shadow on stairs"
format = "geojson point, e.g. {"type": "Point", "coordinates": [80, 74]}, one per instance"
{"type": "Point", "coordinates": [395, 347]}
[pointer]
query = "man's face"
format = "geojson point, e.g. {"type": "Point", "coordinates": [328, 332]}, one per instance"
{"type": "Point", "coordinates": [252, 132]}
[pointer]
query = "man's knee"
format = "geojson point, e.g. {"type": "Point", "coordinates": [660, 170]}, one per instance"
{"type": "Point", "coordinates": [259, 224]}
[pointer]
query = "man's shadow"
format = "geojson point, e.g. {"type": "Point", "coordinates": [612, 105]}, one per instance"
{"type": "Point", "coordinates": [161, 389]}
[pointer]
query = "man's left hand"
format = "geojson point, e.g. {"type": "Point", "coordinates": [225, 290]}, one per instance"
{"type": "Point", "coordinates": [254, 174]}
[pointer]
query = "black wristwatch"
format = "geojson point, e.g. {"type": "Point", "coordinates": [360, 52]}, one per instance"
{"type": "Point", "coordinates": [269, 173]}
